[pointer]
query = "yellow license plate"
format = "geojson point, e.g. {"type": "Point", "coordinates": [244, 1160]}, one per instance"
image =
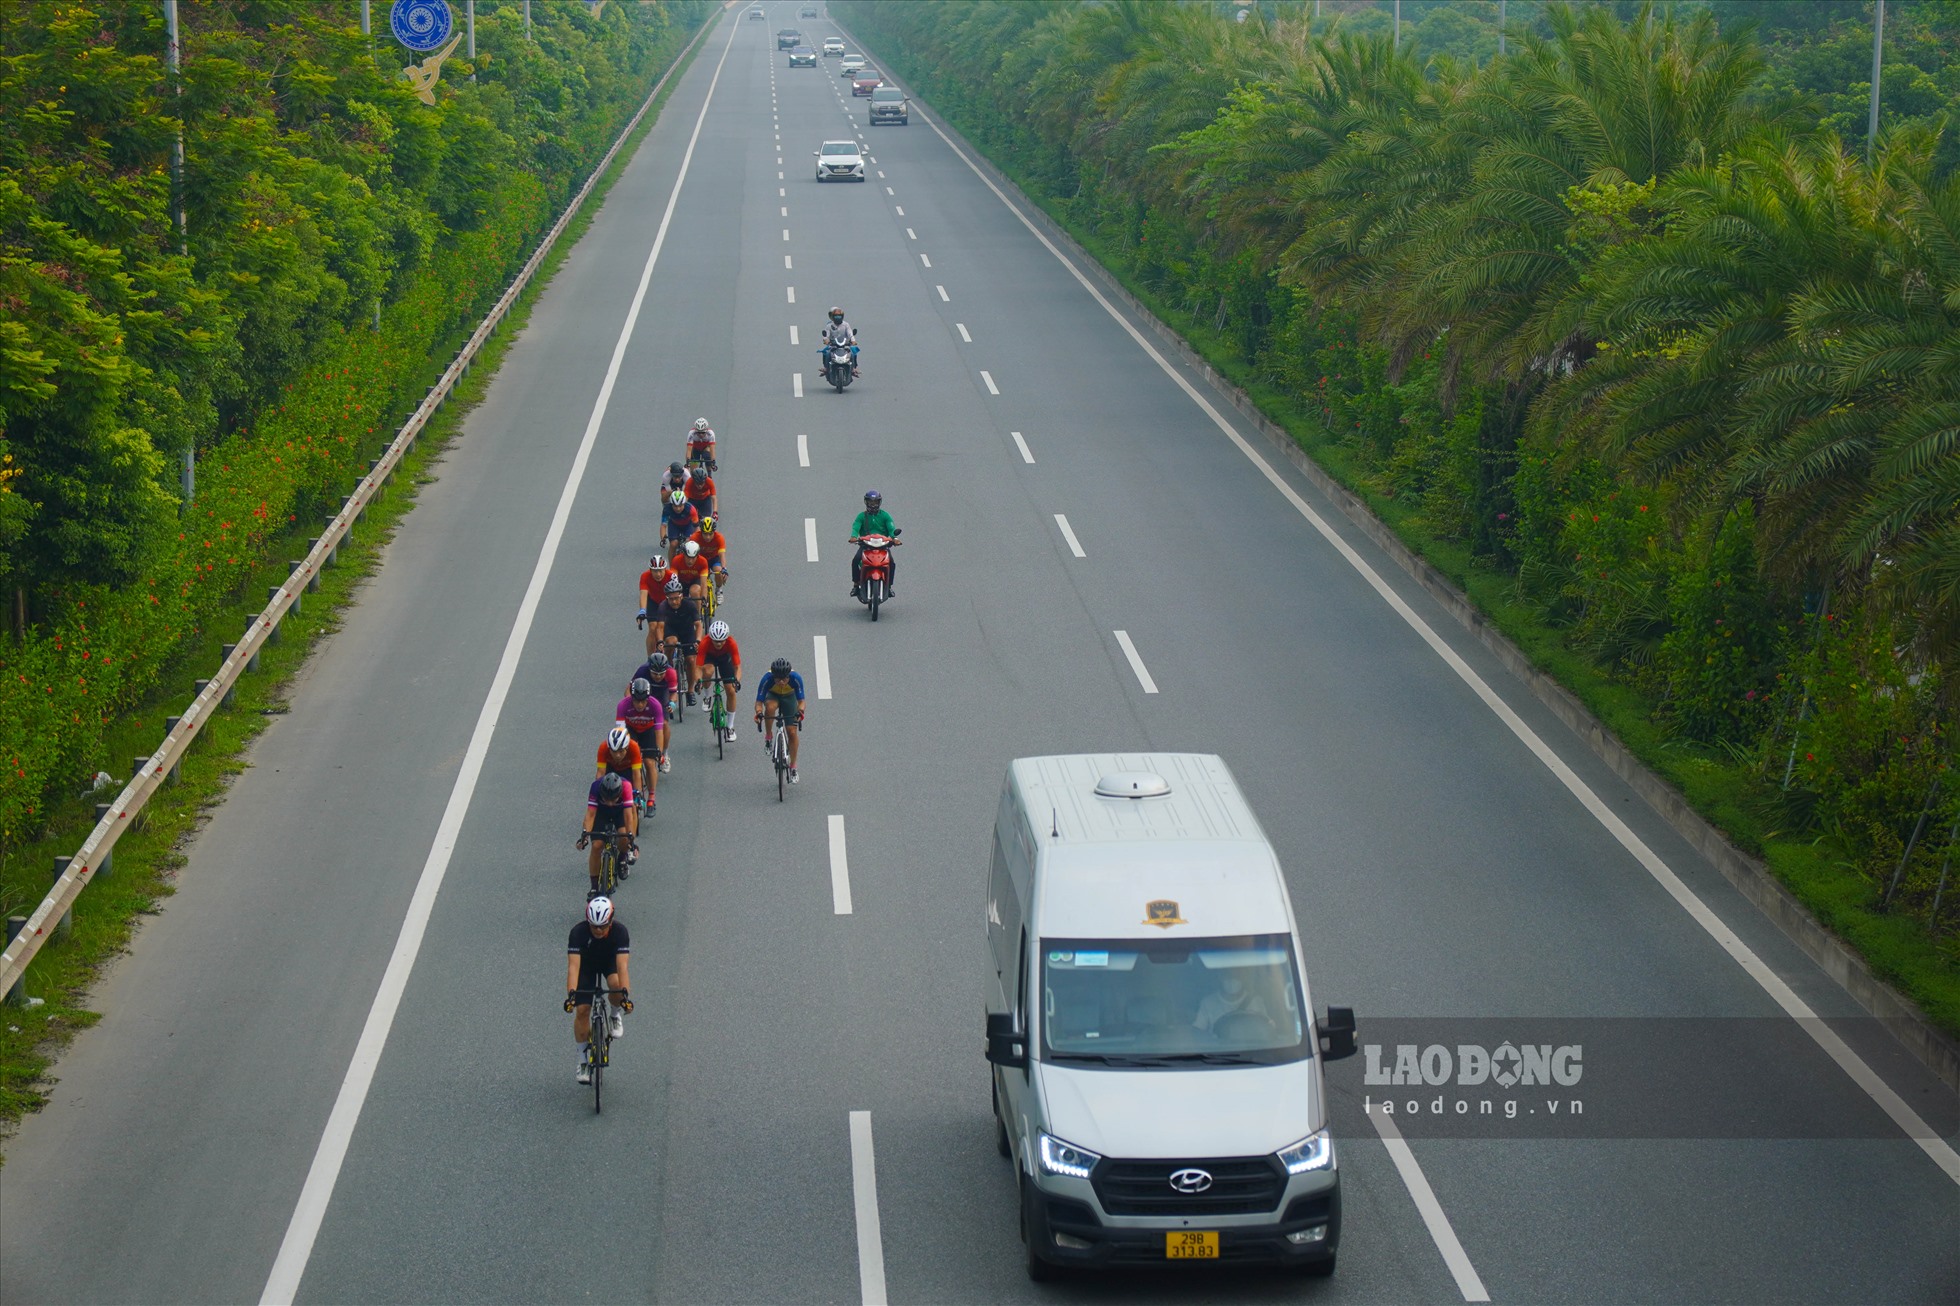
{"type": "Point", "coordinates": [1191, 1246]}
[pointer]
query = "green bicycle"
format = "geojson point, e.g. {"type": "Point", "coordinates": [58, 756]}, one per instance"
{"type": "Point", "coordinates": [719, 720]}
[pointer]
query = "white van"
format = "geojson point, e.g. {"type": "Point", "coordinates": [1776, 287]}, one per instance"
{"type": "Point", "coordinates": [1155, 1058]}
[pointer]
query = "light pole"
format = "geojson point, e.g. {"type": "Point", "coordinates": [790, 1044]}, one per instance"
{"type": "Point", "coordinates": [1878, 48]}
{"type": "Point", "coordinates": [1500, 26]}
{"type": "Point", "coordinates": [1398, 26]}
{"type": "Point", "coordinates": [187, 477]}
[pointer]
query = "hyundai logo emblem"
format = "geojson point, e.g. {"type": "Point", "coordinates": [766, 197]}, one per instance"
{"type": "Point", "coordinates": [1191, 1181]}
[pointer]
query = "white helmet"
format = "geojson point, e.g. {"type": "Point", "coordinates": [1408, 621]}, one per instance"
{"type": "Point", "coordinates": [659, 562]}
{"type": "Point", "coordinates": [692, 548]}
{"type": "Point", "coordinates": [717, 630]}
{"type": "Point", "coordinates": [700, 423]}
{"type": "Point", "coordinates": [617, 738]}
{"type": "Point", "coordinates": [599, 912]}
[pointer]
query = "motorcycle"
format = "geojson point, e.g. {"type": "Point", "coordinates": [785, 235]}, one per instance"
{"type": "Point", "coordinates": [875, 571]}
{"type": "Point", "coordinates": [837, 363]}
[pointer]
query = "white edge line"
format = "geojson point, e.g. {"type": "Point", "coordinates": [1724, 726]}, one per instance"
{"type": "Point", "coordinates": [822, 662]}
{"type": "Point", "coordinates": [1068, 533]}
{"type": "Point", "coordinates": [1027, 454]}
{"type": "Point", "coordinates": [810, 538]}
{"type": "Point", "coordinates": [840, 870]}
{"type": "Point", "coordinates": [1136, 663]}
{"type": "Point", "coordinates": [802, 450]}
{"type": "Point", "coordinates": [1440, 1230]}
{"type": "Point", "coordinates": [1854, 1066]}
{"type": "Point", "coordinates": [864, 1198]}
{"type": "Point", "coordinates": [289, 1267]}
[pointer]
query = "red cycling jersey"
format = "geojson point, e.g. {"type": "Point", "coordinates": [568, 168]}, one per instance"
{"type": "Point", "coordinates": [712, 546]}
{"type": "Point", "coordinates": [699, 489]}
{"type": "Point", "coordinates": [720, 650]}
{"type": "Point", "coordinates": [627, 763]}
{"type": "Point", "coordinates": [653, 587]}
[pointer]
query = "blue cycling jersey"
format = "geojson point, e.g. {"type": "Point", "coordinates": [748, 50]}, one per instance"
{"type": "Point", "coordinates": [779, 687]}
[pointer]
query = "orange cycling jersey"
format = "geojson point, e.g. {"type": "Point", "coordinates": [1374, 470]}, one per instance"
{"type": "Point", "coordinates": [691, 570]}
{"type": "Point", "coordinates": [720, 650]}
{"type": "Point", "coordinates": [627, 763]}
{"type": "Point", "coordinates": [700, 489]}
{"type": "Point", "coordinates": [712, 546]}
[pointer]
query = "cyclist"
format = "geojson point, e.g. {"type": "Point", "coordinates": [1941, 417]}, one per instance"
{"type": "Point", "coordinates": [692, 568]}
{"type": "Point", "coordinates": [599, 945]}
{"type": "Point", "coordinates": [700, 491]}
{"type": "Point", "coordinates": [837, 329]}
{"type": "Point", "coordinates": [608, 811]}
{"type": "Point", "coordinates": [643, 717]}
{"type": "Point", "coordinates": [701, 445]}
{"type": "Point", "coordinates": [680, 631]}
{"type": "Point", "coordinates": [653, 585]}
{"type": "Point", "coordinates": [620, 756]}
{"type": "Point", "coordinates": [874, 520]}
{"type": "Point", "coordinates": [720, 651]}
{"type": "Point", "coordinates": [674, 478]}
{"type": "Point", "coordinates": [713, 551]}
{"type": "Point", "coordinates": [779, 698]}
{"type": "Point", "coordinates": [658, 672]}
{"type": "Point", "coordinates": [678, 519]}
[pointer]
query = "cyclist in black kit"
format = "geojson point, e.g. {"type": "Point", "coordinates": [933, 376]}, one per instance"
{"type": "Point", "coordinates": [598, 946]}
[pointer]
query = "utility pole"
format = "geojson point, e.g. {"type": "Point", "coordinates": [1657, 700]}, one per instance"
{"type": "Point", "coordinates": [174, 58]}
{"type": "Point", "coordinates": [469, 25]}
{"type": "Point", "coordinates": [527, 18]}
{"type": "Point", "coordinates": [1398, 26]}
{"type": "Point", "coordinates": [1500, 26]}
{"type": "Point", "coordinates": [1878, 49]}
{"type": "Point", "coordinates": [367, 25]}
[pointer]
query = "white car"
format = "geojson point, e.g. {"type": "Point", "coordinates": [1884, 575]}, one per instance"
{"type": "Point", "coordinates": [833, 45]}
{"type": "Point", "coordinates": [839, 161]}
{"type": "Point", "coordinates": [850, 64]}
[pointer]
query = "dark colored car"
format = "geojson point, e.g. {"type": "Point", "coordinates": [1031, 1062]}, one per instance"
{"type": "Point", "coordinates": [888, 104]}
{"type": "Point", "coordinates": [788, 39]}
{"type": "Point", "coordinates": [803, 57]}
{"type": "Point", "coordinates": [808, 13]}
{"type": "Point", "coordinates": [866, 82]}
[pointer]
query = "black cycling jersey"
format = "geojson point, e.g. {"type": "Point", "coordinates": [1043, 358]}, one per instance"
{"type": "Point", "coordinates": [598, 956]}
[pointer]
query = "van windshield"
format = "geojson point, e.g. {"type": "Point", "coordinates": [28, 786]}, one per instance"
{"type": "Point", "coordinates": [1171, 1002]}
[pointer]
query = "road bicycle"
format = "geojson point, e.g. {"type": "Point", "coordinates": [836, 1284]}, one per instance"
{"type": "Point", "coordinates": [612, 868]}
{"type": "Point", "coordinates": [779, 749]}
{"type": "Point", "coordinates": [718, 719]}
{"type": "Point", "coordinates": [598, 1050]}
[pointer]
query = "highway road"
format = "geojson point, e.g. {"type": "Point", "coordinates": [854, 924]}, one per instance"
{"type": "Point", "coordinates": [1091, 564]}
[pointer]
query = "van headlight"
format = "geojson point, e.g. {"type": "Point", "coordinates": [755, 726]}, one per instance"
{"type": "Point", "coordinates": [1062, 1158]}
{"type": "Point", "coordinates": [1314, 1152]}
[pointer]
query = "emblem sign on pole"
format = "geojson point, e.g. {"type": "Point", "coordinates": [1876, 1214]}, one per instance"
{"type": "Point", "coordinates": [426, 27]}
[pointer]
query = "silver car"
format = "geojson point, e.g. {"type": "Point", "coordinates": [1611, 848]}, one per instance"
{"type": "Point", "coordinates": [839, 161]}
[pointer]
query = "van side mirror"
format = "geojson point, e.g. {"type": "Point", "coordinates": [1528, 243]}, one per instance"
{"type": "Point", "coordinates": [1005, 1047]}
{"type": "Point", "coordinates": [1337, 1034]}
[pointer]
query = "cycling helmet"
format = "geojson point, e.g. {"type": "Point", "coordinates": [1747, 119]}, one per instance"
{"type": "Point", "coordinates": [693, 550]}
{"type": "Point", "coordinates": [717, 630]}
{"type": "Point", "coordinates": [872, 496]}
{"type": "Point", "coordinates": [658, 662]}
{"type": "Point", "coordinates": [676, 470]}
{"type": "Point", "coordinates": [610, 783]}
{"type": "Point", "coordinates": [658, 562]}
{"type": "Point", "coordinates": [836, 313]}
{"type": "Point", "coordinates": [641, 687]}
{"type": "Point", "coordinates": [707, 526]}
{"type": "Point", "coordinates": [678, 498]}
{"type": "Point", "coordinates": [780, 666]}
{"type": "Point", "coordinates": [700, 423]}
{"type": "Point", "coordinates": [673, 584]}
{"type": "Point", "coordinates": [599, 912]}
{"type": "Point", "coordinates": [617, 738]}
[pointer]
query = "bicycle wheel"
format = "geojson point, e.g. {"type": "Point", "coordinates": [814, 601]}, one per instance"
{"type": "Point", "coordinates": [601, 1037]}
{"type": "Point", "coordinates": [608, 867]}
{"type": "Point", "coordinates": [782, 761]}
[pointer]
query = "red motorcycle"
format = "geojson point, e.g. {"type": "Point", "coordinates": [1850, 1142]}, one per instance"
{"type": "Point", "coordinates": [875, 571]}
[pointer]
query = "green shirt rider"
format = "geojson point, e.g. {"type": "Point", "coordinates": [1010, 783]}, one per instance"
{"type": "Point", "coordinates": [874, 520]}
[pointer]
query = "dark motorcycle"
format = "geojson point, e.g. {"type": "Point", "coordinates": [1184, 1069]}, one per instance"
{"type": "Point", "coordinates": [837, 363]}
{"type": "Point", "coordinates": [875, 571]}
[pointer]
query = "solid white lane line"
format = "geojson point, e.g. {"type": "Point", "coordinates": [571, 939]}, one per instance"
{"type": "Point", "coordinates": [1136, 663]}
{"type": "Point", "coordinates": [914, 235]}
{"type": "Point", "coordinates": [864, 1196]}
{"type": "Point", "coordinates": [963, 335]}
{"type": "Point", "coordinates": [810, 538]}
{"type": "Point", "coordinates": [988, 377]}
{"type": "Point", "coordinates": [796, 384]}
{"type": "Point", "coordinates": [822, 664]}
{"type": "Point", "coordinates": [792, 333]}
{"type": "Point", "coordinates": [1440, 1230]}
{"type": "Point", "coordinates": [840, 871]}
{"type": "Point", "coordinates": [1854, 1066]}
{"type": "Point", "coordinates": [943, 296]}
{"type": "Point", "coordinates": [792, 294]}
{"type": "Point", "coordinates": [923, 259]}
{"type": "Point", "coordinates": [802, 450]}
{"type": "Point", "coordinates": [1027, 455]}
{"type": "Point", "coordinates": [1074, 545]}
{"type": "Point", "coordinates": [289, 1267]}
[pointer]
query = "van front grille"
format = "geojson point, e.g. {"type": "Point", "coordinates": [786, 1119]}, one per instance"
{"type": "Point", "coordinates": [1239, 1186]}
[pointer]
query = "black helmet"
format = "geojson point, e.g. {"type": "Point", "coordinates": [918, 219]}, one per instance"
{"type": "Point", "coordinates": [677, 469]}
{"type": "Point", "coordinates": [641, 687]}
{"type": "Point", "coordinates": [609, 784]}
{"type": "Point", "coordinates": [780, 666]}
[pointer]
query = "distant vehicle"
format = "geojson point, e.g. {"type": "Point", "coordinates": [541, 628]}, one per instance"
{"type": "Point", "coordinates": [833, 45]}
{"type": "Point", "coordinates": [803, 57]}
{"type": "Point", "coordinates": [888, 104]}
{"type": "Point", "coordinates": [756, 13]}
{"type": "Point", "coordinates": [788, 39]}
{"type": "Point", "coordinates": [866, 82]}
{"type": "Point", "coordinates": [850, 64]}
{"type": "Point", "coordinates": [808, 12]}
{"type": "Point", "coordinates": [839, 161]}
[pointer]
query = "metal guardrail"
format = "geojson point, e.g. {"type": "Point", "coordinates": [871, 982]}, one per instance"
{"type": "Point", "coordinates": [93, 859]}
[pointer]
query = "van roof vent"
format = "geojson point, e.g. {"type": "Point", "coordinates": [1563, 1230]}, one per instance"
{"type": "Point", "coordinates": [1132, 784]}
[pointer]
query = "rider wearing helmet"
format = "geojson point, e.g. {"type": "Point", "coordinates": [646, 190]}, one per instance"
{"type": "Point", "coordinates": [701, 445]}
{"type": "Point", "coordinates": [679, 631]}
{"type": "Point", "coordinates": [692, 567]}
{"type": "Point", "coordinates": [713, 551]}
{"type": "Point", "coordinates": [674, 478]}
{"type": "Point", "coordinates": [700, 490]}
{"type": "Point", "coordinates": [598, 946]}
{"type": "Point", "coordinates": [779, 697]}
{"type": "Point", "coordinates": [659, 672]}
{"type": "Point", "coordinates": [653, 586]}
{"type": "Point", "coordinates": [874, 520]}
{"type": "Point", "coordinates": [720, 651]}
{"type": "Point", "coordinates": [608, 812]}
{"type": "Point", "coordinates": [678, 519]}
{"type": "Point", "coordinates": [841, 332]}
{"type": "Point", "coordinates": [645, 718]}
{"type": "Point", "coordinates": [620, 755]}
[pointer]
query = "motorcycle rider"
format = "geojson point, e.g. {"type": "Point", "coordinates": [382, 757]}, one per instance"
{"type": "Point", "coordinates": [838, 331]}
{"type": "Point", "coordinates": [874, 520]}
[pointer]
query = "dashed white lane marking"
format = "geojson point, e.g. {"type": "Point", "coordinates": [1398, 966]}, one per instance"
{"type": "Point", "coordinates": [779, 176]}
{"type": "Point", "coordinates": [785, 209]}
{"type": "Point", "coordinates": [786, 263]}
{"type": "Point", "coordinates": [881, 177]}
{"type": "Point", "coordinates": [840, 871]}
{"type": "Point", "coordinates": [888, 189]}
{"type": "Point", "coordinates": [1068, 533]}
{"type": "Point", "coordinates": [899, 209]}
{"type": "Point", "coordinates": [316, 1193]}
{"type": "Point", "coordinates": [810, 538]}
{"type": "Point", "coordinates": [1440, 1230]}
{"type": "Point", "coordinates": [785, 229]}
{"type": "Point", "coordinates": [1136, 663]}
{"type": "Point", "coordinates": [944, 298]}
{"type": "Point", "coordinates": [802, 449]}
{"type": "Point", "coordinates": [792, 333]}
{"type": "Point", "coordinates": [796, 383]}
{"type": "Point", "coordinates": [823, 667]}
{"type": "Point", "coordinates": [923, 259]}
{"type": "Point", "coordinates": [963, 335]}
{"type": "Point", "coordinates": [915, 235]}
{"type": "Point", "coordinates": [792, 294]}
{"type": "Point", "coordinates": [864, 1196]}
{"type": "Point", "coordinates": [988, 377]}
{"type": "Point", "coordinates": [779, 161]}
{"type": "Point", "coordinates": [1027, 455]}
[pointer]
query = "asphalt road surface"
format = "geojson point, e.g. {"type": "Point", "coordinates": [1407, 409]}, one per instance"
{"type": "Point", "coordinates": [1090, 564]}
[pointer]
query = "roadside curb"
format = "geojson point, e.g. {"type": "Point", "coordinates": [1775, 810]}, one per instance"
{"type": "Point", "coordinates": [1938, 1051]}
